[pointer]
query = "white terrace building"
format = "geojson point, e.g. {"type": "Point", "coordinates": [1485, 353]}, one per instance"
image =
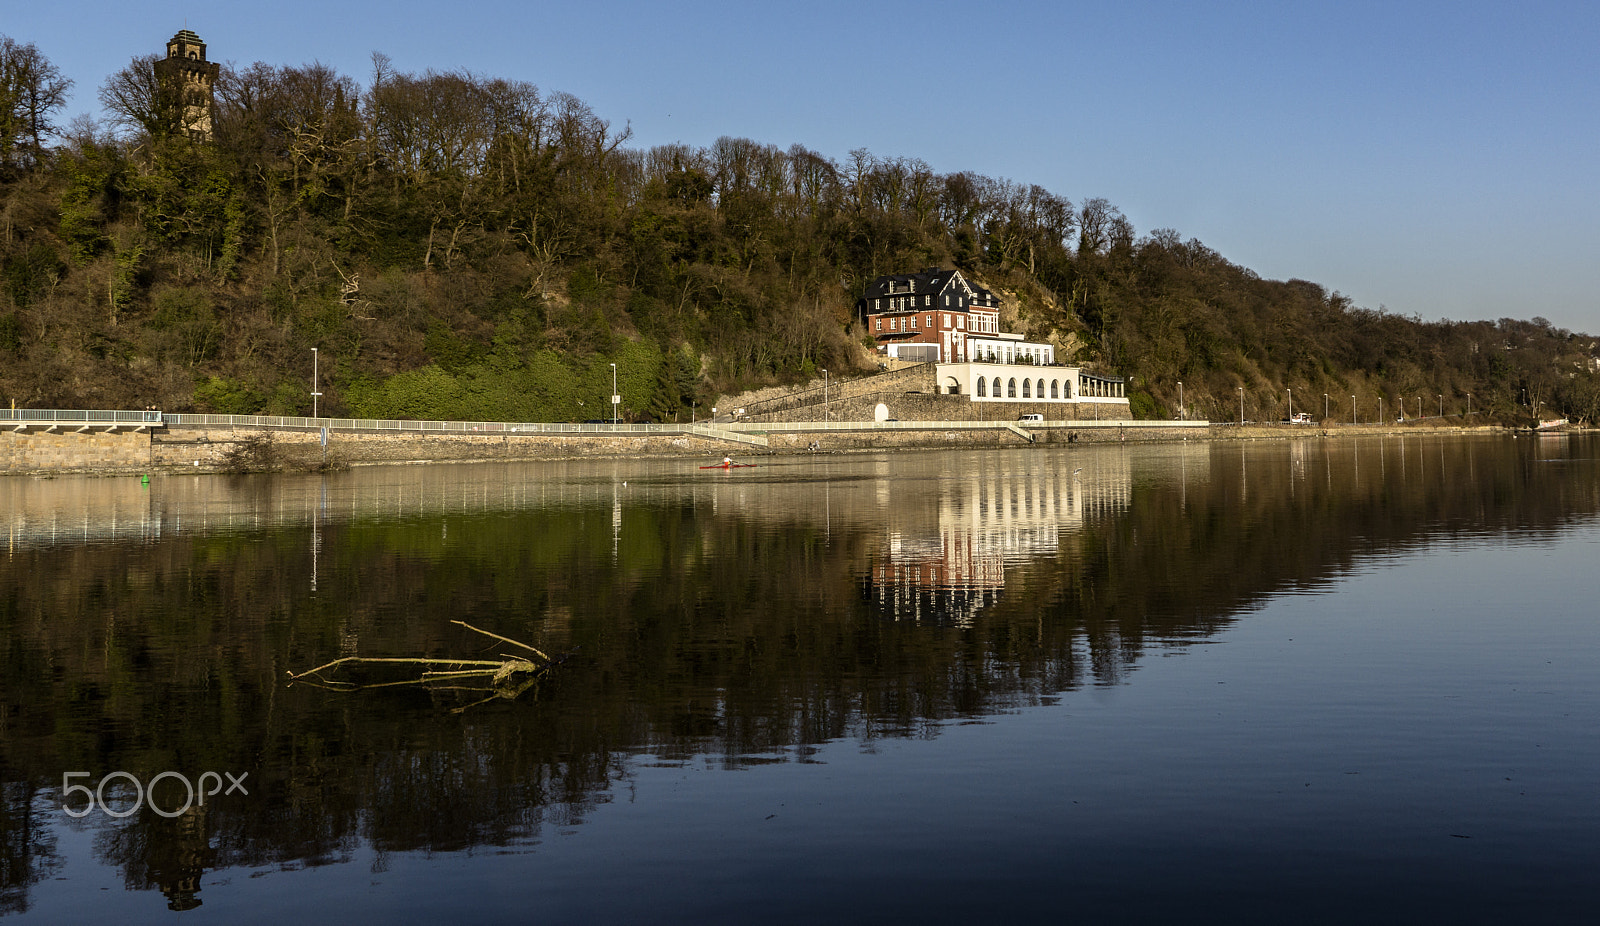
{"type": "Point", "coordinates": [1022, 381]}
{"type": "Point", "coordinates": [937, 316]}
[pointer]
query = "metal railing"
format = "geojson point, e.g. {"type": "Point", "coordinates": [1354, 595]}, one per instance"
{"type": "Point", "coordinates": [795, 427]}
{"type": "Point", "coordinates": [410, 426]}
{"type": "Point", "coordinates": [744, 431]}
{"type": "Point", "coordinates": [78, 416]}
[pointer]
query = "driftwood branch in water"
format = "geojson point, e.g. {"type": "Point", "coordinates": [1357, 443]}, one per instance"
{"type": "Point", "coordinates": [507, 677]}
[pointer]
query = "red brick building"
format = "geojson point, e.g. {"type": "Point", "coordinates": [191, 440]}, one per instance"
{"type": "Point", "coordinates": [929, 315]}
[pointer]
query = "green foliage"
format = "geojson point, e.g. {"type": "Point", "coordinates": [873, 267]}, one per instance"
{"type": "Point", "coordinates": [1142, 405]}
{"type": "Point", "coordinates": [29, 274]}
{"type": "Point", "coordinates": [184, 325]}
{"type": "Point", "coordinates": [222, 396]}
{"type": "Point", "coordinates": [91, 181]}
{"type": "Point", "coordinates": [10, 333]}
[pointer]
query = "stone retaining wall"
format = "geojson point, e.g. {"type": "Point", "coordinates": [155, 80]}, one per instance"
{"type": "Point", "coordinates": [927, 405]}
{"type": "Point", "coordinates": [35, 450]}
{"type": "Point", "coordinates": [207, 449]}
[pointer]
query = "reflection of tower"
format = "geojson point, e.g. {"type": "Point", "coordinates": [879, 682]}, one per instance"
{"type": "Point", "coordinates": [186, 73]}
{"type": "Point", "coordinates": [180, 852]}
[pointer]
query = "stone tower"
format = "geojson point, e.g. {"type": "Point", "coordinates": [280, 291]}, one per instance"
{"type": "Point", "coordinates": [186, 70]}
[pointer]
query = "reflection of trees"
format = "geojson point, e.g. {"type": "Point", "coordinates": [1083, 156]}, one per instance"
{"type": "Point", "coordinates": [27, 846]}
{"type": "Point", "coordinates": [718, 632]}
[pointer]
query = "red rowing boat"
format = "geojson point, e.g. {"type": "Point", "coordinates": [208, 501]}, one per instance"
{"type": "Point", "coordinates": [727, 464]}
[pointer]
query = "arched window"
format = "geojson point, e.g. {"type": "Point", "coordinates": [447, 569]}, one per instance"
{"type": "Point", "coordinates": [1038, 389]}
{"type": "Point", "coordinates": [1055, 389]}
{"type": "Point", "coordinates": [1011, 389]}
{"type": "Point", "coordinates": [997, 387]}
{"type": "Point", "coordinates": [1027, 390]}
{"type": "Point", "coordinates": [983, 391]}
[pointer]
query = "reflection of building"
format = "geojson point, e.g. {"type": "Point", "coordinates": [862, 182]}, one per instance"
{"type": "Point", "coordinates": [948, 574]}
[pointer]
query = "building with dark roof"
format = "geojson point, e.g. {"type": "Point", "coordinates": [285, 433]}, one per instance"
{"type": "Point", "coordinates": [928, 315]}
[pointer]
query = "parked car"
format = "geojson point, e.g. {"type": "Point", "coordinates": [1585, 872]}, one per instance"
{"type": "Point", "coordinates": [1030, 417]}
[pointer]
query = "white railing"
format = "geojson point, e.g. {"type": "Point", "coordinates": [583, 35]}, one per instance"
{"type": "Point", "coordinates": [78, 416]}
{"type": "Point", "coordinates": [790, 427]}
{"type": "Point", "coordinates": [727, 430]}
{"type": "Point", "coordinates": [415, 426]}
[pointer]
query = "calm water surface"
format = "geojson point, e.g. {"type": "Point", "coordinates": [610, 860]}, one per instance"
{"type": "Point", "coordinates": [1309, 680]}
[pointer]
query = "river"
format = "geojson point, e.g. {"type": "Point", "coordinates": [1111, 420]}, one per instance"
{"type": "Point", "coordinates": [1316, 679]}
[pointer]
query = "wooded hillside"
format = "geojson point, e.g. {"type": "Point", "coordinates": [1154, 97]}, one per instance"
{"type": "Point", "coordinates": [461, 246]}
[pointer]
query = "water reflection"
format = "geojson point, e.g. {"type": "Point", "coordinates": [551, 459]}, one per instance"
{"type": "Point", "coordinates": [723, 619]}
{"type": "Point", "coordinates": [948, 566]}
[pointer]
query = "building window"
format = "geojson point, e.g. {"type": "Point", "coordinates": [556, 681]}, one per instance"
{"type": "Point", "coordinates": [961, 321]}
{"type": "Point", "coordinates": [879, 323]}
{"type": "Point", "coordinates": [1011, 389]}
{"type": "Point", "coordinates": [1039, 389]}
{"type": "Point", "coordinates": [913, 322]}
{"type": "Point", "coordinates": [930, 321]}
{"type": "Point", "coordinates": [982, 392]}
{"type": "Point", "coordinates": [1055, 389]}
{"type": "Point", "coordinates": [1027, 390]}
{"type": "Point", "coordinates": [894, 324]}
{"type": "Point", "coordinates": [997, 387]}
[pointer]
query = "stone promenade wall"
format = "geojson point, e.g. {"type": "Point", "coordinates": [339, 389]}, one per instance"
{"type": "Point", "coordinates": [95, 451]}
{"type": "Point", "coordinates": [931, 406]}
{"type": "Point", "coordinates": [207, 449]}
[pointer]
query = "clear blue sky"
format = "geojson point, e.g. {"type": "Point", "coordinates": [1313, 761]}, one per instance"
{"type": "Point", "coordinates": [1436, 159]}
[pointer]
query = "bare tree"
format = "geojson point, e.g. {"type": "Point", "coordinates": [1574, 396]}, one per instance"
{"type": "Point", "coordinates": [139, 101]}
{"type": "Point", "coordinates": [32, 90]}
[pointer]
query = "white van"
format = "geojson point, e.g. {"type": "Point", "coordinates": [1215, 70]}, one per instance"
{"type": "Point", "coordinates": [1031, 418]}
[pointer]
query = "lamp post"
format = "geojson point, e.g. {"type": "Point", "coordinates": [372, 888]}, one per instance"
{"type": "Point", "coordinates": [1291, 404]}
{"type": "Point", "coordinates": [1180, 400]}
{"type": "Point", "coordinates": [615, 399]}
{"type": "Point", "coordinates": [315, 394]}
{"type": "Point", "coordinates": [1419, 408]}
{"type": "Point", "coordinates": [1469, 404]}
{"type": "Point", "coordinates": [1352, 409]}
{"type": "Point", "coordinates": [825, 411]}
{"type": "Point", "coordinates": [1241, 405]}
{"type": "Point", "coordinates": [1380, 409]}
{"type": "Point", "coordinates": [1324, 406]}
{"type": "Point", "coordinates": [1441, 405]}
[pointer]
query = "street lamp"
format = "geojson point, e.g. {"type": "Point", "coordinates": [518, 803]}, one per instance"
{"type": "Point", "coordinates": [1419, 408]}
{"type": "Point", "coordinates": [1352, 409]}
{"type": "Point", "coordinates": [1380, 409]}
{"type": "Point", "coordinates": [1291, 404]}
{"type": "Point", "coordinates": [1324, 406]}
{"type": "Point", "coordinates": [1469, 404]}
{"type": "Point", "coordinates": [1241, 405]}
{"type": "Point", "coordinates": [614, 397]}
{"type": "Point", "coordinates": [1441, 405]}
{"type": "Point", "coordinates": [314, 393]}
{"type": "Point", "coordinates": [825, 396]}
{"type": "Point", "coordinates": [1180, 400]}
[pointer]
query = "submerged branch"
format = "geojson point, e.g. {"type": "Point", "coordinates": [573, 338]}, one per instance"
{"type": "Point", "coordinates": [506, 677]}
